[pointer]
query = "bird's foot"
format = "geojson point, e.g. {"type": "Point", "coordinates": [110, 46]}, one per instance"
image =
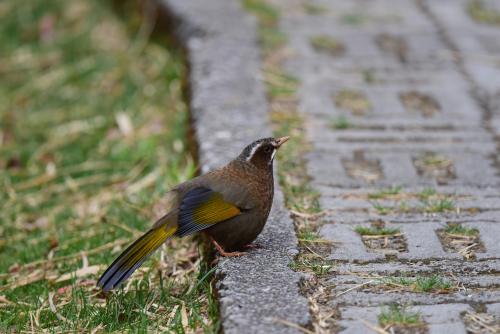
{"type": "Point", "coordinates": [222, 252]}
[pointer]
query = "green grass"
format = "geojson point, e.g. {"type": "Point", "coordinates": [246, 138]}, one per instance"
{"type": "Point", "coordinates": [341, 123]}
{"type": "Point", "coordinates": [382, 209]}
{"type": "Point", "coordinates": [92, 131]}
{"type": "Point", "coordinates": [461, 230]}
{"type": "Point", "coordinates": [270, 37]}
{"type": "Point", "coordinates": [376, 230]}
{"type": "Point", "coordinates": [439, 205]}
{"type": "Point", "coordinates": [280, 84]}
{"type": "Point", "coordinates": [430, 201]}
{"type": "Point", "coordinates": [314, 9]}
{"type": "Point", "coordinates": [432, 283]}
{"type": "Point", "coordinates": [307, 235]}
{"type": "Point", "coordinates": [352, 100]}
{"type": "Point", "coordinates": [427, 193]}
{"type": "Point", "coordinates": [396, 315]}
{"type": "Point", "coordinates": [481, 13]}
{"type": "Point", "coordinates": [328, 44]}
{"type": "Point", "coordinates": [384, 193]}
{"type": "Point", "coordinates": [317, 266]}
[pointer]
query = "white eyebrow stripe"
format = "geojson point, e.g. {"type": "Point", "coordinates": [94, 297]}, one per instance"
{"type": "Point", "coordinates": [252, 152]}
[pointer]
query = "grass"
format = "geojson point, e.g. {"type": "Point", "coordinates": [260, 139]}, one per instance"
{"type": "Point", "coordinates": [308, 235]}
{"type": "Point", "coordinates": [280, 84]}
{"type": "Point", "coordinates": [382, 209]}
{"type": "Point", "coordinates": [461, 230]}
{"type": "Point", "coordinates": [341, 123]}
{"type": "Point", "coordinates": [376, 230]}
{"type": "Point", "coordinates": [435, 160]}
{"type": "Point", "coordinates": [352, 100]}
{"type": "Point", "coordinates": [427, 193]}
{"type": "Point", "coordinates": [270, 37]}
{"type": "Point", "coordinates": [314, 9]}
{"type": "Point", "coordinates": [396, 315]}
{"type": "Point", "coordinates": [419, 102]}
{"type": "Point", "coordinates": [328, 44]}
{"type": "Point", "coordinates": [433, 283]}
{"type": "Point", "coordinates": [317, 266]}
{"type": "Point", "coordinates": [439, 205]}
{"type": "Point", "coordinates": [384, 193]}
{"type": "Point", "coordinates": [430, 201]}
{"type": "Point", "coordinates": [93, 128]}
{"type": "Point", "coordinates": [481, 13]}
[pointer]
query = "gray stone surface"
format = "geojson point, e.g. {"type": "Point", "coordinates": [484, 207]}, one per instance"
{"type": "Point", "coordinates": [228, 108]}
{"type": "Point", "coordinates": [447, 57]}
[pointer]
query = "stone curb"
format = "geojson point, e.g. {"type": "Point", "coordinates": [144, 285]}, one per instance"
{"type": "Point", "coordinates": [229, 110]}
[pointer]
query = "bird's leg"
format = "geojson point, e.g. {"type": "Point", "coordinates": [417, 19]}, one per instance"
{"type": "Point", "coordinates": [222, 252]}
{"type": "Point", "coordinates": [253, 246]}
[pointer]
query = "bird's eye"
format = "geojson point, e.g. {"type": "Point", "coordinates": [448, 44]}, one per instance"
{"type": "Point", "coordinates": [268, 149]}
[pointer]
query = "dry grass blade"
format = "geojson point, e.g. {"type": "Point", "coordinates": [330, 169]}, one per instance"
{"type": "Point", "coordinates": [33, 277]}
{"type": "Point", "coordinates": [82, 272]}
{"type": "Point", "coordinates": [466, 251]}
{"type": "Point", "coordinates": [354, 288]}
{"type": "Point", "coordinates": [481, 323]}
{"type": "Point", "coordinates": [53, 308]}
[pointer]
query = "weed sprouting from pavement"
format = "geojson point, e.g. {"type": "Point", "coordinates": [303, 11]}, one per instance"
{"type": "Point", "coordinates": [384, 193]}
{"type": "Point", "coordinates": [459, 229]}
{"type": "Point", "coordinates": [433, 283]}
{"type": "Point", "coordinates": [396, 315]}
{"type": "Point", "coordinates": [376, 230]}
{"type": "Point", "coordinates": [341, 123]}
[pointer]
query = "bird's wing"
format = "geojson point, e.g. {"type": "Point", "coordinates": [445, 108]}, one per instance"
{"type": "Point", "coordinates": [201, 208]}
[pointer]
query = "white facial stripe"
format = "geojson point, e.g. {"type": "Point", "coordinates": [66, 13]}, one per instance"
{"type": "Point", "coordinates": [254, 149]}
{"type": "Point", "coordinates": [272, 156]}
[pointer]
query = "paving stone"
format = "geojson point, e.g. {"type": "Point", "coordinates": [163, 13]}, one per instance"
{"type": "Point", "coordinates": [494, 309]}
{"type": "Point", "coordinates": [435, 63]}
{"type": "Point", "coordinates": [350, 246]}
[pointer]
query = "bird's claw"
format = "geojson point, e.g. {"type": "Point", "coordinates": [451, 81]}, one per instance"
{"type": "Point", "coordinates": [222, 252]}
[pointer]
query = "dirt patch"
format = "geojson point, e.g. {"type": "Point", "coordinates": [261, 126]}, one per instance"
{"type": "Point", "coordinates": [418, 102]}
{"type": "Point", "coordinates": [319, 294]}
{"type": "Point", "coordinates": [363, 169]}
{"type": "Point", "coordinates": [380, 239]}
{"type": "Point", "coordinates": [465, 245]}
{"type": "Point", "coordinates": [328, 45]}
{"type": "Point", "coordinates": [436, 166]}
{"type": "Point", "coordinates": [483, 323]}
{"type": "Point", "coordinates": [387, 244]}
{"type": "Point", "coordinates": [353, 100]}
{"type": "Point", "coordinates": [392, 44]}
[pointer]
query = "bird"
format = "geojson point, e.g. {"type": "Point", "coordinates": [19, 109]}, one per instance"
{"type": "Point", "coordinates": [230, 204]}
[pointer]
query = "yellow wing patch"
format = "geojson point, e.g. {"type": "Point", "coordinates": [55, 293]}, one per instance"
{"type": "Point", "coordinates": [214, 210]}
{"type": "Point", "coordinates": [149, 243]}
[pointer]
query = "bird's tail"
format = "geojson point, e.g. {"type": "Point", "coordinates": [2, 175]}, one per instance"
{"type": "Point", "coordinates": [134, 256]}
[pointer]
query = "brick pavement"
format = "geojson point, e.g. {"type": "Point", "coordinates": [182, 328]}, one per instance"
{"type": "Point", "coordinates": [423, 111]}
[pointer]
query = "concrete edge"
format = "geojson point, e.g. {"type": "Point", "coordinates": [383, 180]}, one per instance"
{"type": "Point", "coordinates": [229, 110]}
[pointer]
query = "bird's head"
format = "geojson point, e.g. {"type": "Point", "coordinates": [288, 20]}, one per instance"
{"type": "Point", "coordinates": [261, 152]}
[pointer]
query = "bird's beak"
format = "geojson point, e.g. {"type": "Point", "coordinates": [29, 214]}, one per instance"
{"type": "Point", "coordinates": [281, 141]}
